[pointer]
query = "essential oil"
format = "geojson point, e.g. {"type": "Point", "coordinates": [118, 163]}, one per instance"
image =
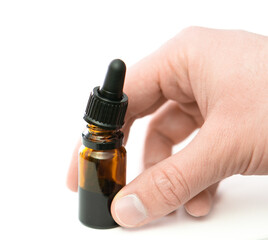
{"type": "Point", "coordinates": [102, 157]}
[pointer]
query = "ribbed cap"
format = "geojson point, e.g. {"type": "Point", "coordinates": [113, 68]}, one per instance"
{"type": "Point", "coordinates": [107, 106]}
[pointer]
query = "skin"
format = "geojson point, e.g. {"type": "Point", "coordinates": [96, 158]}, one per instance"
{"type": "Point", "coordinates": [215, 80]}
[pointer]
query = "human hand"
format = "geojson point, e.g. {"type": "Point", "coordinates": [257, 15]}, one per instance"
{"type": "Point", "coordinates": [215, 80]}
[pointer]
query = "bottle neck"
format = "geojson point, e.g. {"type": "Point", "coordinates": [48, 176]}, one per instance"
{"type": "Point", "coordinates": [102, 139]}
{"type": "Point", "coordinates": [97, 131]}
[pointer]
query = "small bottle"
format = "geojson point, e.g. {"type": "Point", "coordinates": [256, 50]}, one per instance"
{"type": "Point", "coordinates": [102, 157]}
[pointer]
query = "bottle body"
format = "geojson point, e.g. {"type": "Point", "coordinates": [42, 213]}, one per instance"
{"type": "Point", "coordinates": [102, 173]}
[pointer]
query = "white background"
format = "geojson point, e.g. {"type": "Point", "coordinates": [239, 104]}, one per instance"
{"type": "Point", "coordinates": [52, 53]}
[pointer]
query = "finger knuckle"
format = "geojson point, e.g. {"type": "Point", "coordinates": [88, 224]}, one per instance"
{"type": "Point", "coordinates": [170, 186]}
{"type": "Point", "coordinates": [193, 34]}
{"type": "Point", "coordinates": [192, 42]}
{"type": "Point", "coordinates": [191, 30]}
{"type": "Point", "coordinates": [153, 124]}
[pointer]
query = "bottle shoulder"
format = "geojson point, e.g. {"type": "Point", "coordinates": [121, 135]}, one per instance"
{"type": "Point", "coordinates": [90, 154]}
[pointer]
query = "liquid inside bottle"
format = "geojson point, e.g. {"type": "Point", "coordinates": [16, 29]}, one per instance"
{"type": "Point", "coordinates": [102, 173]}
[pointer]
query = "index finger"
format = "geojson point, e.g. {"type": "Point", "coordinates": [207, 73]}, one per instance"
{"type": "Point", "coordinates": [143, 87]}
{"type": "Point", "coordinates": [158, 77]}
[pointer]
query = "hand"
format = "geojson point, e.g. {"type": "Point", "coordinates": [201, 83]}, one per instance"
{"type": "Point", "coordinates": [215, 80]}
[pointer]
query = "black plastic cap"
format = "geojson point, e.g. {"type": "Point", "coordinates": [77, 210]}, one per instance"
{"type": "Point", "coordinates": [106, 107]}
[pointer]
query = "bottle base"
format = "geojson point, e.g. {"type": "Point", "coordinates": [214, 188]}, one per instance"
{"type": "Point", "coordinates": [94, 210]}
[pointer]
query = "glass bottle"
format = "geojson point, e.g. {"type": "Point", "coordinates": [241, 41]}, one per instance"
{"type": "Point", "coordinates": [102, 157]}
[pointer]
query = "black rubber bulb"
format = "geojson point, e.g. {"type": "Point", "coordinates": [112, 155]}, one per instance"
{"type": "Point", "coordinates": [112, 88]}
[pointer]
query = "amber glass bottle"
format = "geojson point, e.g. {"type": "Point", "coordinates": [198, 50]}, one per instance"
{"type": "Point", "coordinates": [102, 157]}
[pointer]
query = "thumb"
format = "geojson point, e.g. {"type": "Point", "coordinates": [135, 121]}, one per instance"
{"type": "Point", "coordinates": [169, 184]}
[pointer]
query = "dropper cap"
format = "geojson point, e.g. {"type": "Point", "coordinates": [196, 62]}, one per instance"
{"type": "Point", "coordinates": [106, 107]}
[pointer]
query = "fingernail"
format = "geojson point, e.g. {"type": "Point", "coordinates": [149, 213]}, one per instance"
{"type": "Point", "coordinates": [130, 211]}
